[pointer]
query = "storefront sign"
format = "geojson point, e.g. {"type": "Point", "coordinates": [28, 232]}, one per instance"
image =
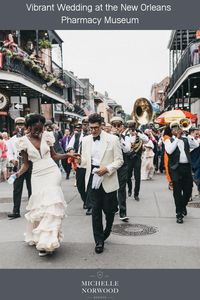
{"type": "Point", "coordinates": [4, 102]}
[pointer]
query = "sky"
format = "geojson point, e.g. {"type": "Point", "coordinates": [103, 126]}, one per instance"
{"type": "Point", "coordinates": [123, 63]}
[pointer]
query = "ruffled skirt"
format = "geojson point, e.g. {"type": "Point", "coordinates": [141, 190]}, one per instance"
{"type": "Point", "coordinates": [46, 207]}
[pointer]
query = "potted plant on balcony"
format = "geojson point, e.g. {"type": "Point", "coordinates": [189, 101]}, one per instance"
{"type": "Point", "coordinates": [45, 52]}
{"type": "Point", "coordinates": [44, 44]}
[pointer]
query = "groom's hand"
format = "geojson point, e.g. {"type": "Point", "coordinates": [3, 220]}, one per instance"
{"type": "Point", "coordinates": [102, 171]}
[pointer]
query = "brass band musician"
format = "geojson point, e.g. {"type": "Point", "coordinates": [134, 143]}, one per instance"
{"type": "Point", "coordinates": [134, 160]}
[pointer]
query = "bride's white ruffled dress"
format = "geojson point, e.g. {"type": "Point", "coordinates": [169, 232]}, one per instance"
{"type": "Point", "coordinates": [46, 206]}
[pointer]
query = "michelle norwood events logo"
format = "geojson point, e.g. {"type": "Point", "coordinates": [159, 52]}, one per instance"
{"type": "Point", "coordinates": [99, 286]}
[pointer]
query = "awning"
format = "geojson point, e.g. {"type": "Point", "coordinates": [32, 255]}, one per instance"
{"type": "Point", "coordinates": [70, 114]}
{"type": "Point", "coordinates": [14, 78]}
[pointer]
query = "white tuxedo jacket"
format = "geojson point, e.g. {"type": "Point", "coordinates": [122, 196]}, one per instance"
{"type": "Point", "coordinates": [111, 158]}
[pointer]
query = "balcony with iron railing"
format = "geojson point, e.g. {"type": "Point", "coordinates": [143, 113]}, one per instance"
{"type": "Point", "coordinates": [33, 69]}
{"type": "Point", "coordinates": [189, 58]}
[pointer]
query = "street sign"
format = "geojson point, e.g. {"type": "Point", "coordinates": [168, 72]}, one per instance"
{"type": "Point", "coordinates": [14, 113]}
{"type": "Point", "coordinates": [18, 106]}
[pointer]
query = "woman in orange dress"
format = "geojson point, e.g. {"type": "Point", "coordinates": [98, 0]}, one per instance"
{"type": "Point", "coordinates": [166, 135]}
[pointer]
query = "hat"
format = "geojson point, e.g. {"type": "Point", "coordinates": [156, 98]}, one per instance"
{"type": "Point", "coordinates": [117, 120]}
{"type": "Point", "coordinates": [85, 120]}
{"type": "Point", "coordinates": [131, 122]}
{"type": "Point", "coordinates": [20, 120]}
{"type": "Point", "coordinates": [78, 125]}
{"type": "Point", "coordinates": [48, 123]}
{"type": "Point", "coordinates": [174, 124]}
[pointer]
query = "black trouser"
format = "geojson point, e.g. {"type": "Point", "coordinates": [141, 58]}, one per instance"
{"type": "Point", "coordinates": [156, 160]}
{"type": "Point", "coordinates": [182, 186]}
{"type": "Point", "coordinates": [134, 165]}
{"type": "Point", "coordinates": [106, 202]}
{"type": "Point", "coordinates": [18, 188]}
{"type": "Point", "coordinates": [80, 182]}
{"type": "Point", "coordinates": [161, 167]}
{"type": "Point", "coordinates": [122, 177]}
{"type": "Point", "coordinates": [66, 166]}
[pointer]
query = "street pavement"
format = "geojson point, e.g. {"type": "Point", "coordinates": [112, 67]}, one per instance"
{"type": "Point", "coordinates": [171, 246]}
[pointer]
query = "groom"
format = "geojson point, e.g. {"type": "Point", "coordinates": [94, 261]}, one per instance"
{"type": "Point", "coordinates": [102, 151]}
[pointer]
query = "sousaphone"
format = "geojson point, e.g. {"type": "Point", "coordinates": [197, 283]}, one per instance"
{"type": "Point", "coordinates": [142, 111]}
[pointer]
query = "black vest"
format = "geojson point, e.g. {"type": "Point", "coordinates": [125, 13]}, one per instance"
{"type": "Point", "coordinates": [76, 141]}
{"type": "Point", "coordinates": [175, 156]}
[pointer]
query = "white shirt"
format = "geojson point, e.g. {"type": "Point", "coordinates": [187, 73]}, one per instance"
{"type": "Point", "coordinates": [125, 144]}
{"type": "Point", "coordinates": [96, 151]}
{"type": "Point", "coordinates": [71, 142]}
{"type": "Point", "coordinates": [12, 153]}
{"type": "Point", "coordinates": [192, 142]}
{"type": "Point", "coordinates": [171, 146]}
{"type": "Point", "coordinates": [142, 136]}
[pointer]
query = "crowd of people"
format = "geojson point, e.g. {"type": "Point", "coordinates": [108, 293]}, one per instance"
{"type": "Point", "coordinates": [103, 157]}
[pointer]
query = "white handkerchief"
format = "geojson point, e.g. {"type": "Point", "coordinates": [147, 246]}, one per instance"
{"type": "Point", "coordinates": [97, 180]}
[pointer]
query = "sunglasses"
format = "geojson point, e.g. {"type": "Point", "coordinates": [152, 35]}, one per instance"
{"type": "Point", "coordinates": [117, 125]}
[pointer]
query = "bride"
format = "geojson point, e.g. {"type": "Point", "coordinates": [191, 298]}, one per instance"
{"type": "Point", "coordinates": [46, 207]}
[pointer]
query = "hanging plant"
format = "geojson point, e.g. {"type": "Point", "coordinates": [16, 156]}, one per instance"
{"type": "Point", "coordinates": [59, 83]}
{"type": "Point", "coordinates": [36, 68]}
{"type": "Point", "coordinates": [17, 57]}
{"type": "Point", "coordinates": [49, 77]}
{"type": "Point", "coordinates": [44, 44]}
{"type": "Point", "coordinates": [28, 62]}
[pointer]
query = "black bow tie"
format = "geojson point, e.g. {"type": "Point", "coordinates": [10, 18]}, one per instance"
{"type": "Point", "coordinates": [96, 138]}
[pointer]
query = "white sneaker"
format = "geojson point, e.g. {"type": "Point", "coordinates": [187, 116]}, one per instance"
{"type": "Point", "coordinates": [124, 218]}
{"type": "Point", "coordinates": [31, 243]}
{"type": "Point", "coordinates": [43, 253]}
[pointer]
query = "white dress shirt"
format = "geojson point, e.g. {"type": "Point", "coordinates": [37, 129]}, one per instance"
{"type": "Point", "coordinates": [170, 147]}
{"type": "Point", "coordinates": [192, 142]}
{"type": "Point", "coordinates": [142, 136]}
{"type": "Point", "coordinates": [12, 153]}
{"type": "Point", "coordinates": [71, 142]}
{"type": "Point", "coordinates": [96, 151]}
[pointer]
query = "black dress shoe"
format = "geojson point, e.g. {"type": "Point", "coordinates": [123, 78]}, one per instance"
{"type": "Point", "coordinates": [84, 206]}
{"type": "Point", "coordinates": [129, 193]}
{"type": "Point", "coordinates": [184, 212]}
{"type": "Point", "coordinates": [14, 215]}
{"type": "Point", "coordinates": [99, 247]}
{"type": "Point", "coordinates": [136, 198]}
{"type": "Point", "coordinates": [179, 219]}
{"type": "Point", "coordinates": [88, 212]}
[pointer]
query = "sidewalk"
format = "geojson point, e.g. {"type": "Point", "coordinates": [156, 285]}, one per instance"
{"type": "Point", "coordinates": [171, 246]}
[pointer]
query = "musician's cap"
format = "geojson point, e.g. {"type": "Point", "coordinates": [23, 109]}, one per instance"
{"type": "Point", "coordinates": [116, 120]}
{"type": "Point", "coordinates": [174, 124]}
{"type": "Point", "coordinates": [48, 123]}
{"type": "Point", "coordinates": [19, 120]}
{"type": "Point", "coordinates": [78, 125]}
{"type": "Point", "coordinates": [85, 120]}
{"type": "Point", "coordinates": [131, 122]}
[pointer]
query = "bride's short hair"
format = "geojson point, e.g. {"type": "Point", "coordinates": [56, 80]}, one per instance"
{"type": "Point", "coordinates": [34, 118]}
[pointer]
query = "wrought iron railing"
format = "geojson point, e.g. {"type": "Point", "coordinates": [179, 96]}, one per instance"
{"type": "Point", "coordinates": [17, 65]}
{"type": "Point", "coordinates": [190, 57]}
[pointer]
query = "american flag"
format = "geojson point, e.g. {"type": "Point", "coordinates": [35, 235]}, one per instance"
{"type": "Point", "coordinates": [86, 111]}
